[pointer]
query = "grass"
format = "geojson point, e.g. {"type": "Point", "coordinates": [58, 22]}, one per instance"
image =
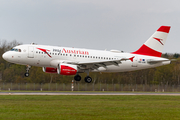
{"type": "Point", "coordinates": [89, 107]}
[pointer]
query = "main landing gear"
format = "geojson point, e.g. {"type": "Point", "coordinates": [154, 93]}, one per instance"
{"type": "Point", "coordinates": [27, 70]}
{"type": "Point", "coordinates": [86, 79]}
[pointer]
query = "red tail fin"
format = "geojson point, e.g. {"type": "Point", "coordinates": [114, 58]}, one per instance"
{"type": "Point", "coordinates": [155, 44]}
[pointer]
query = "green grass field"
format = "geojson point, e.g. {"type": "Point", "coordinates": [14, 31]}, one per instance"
{"type": "Point", "coordinates": [89, 107]}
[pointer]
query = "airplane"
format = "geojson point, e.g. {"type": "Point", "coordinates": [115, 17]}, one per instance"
{"type": "Point", "coordinates": [72, 61]}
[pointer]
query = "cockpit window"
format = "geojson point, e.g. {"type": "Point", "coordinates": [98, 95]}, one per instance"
{"type": "Point", "coordinates": [16, 50]}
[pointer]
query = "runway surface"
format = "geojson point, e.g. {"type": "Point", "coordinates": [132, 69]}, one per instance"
{"type": "Point", "coordinates": [87, 93]}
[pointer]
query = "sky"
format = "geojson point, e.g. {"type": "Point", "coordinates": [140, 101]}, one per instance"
{"type": "Point", "coordinates": [94, 24]}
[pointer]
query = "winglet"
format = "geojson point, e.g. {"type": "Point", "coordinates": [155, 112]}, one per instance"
{"type": "Point", "coordinates": [132, 58]}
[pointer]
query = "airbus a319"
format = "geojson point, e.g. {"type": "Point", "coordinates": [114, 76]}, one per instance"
{"type": "Point", "coordinates": [72, 61]}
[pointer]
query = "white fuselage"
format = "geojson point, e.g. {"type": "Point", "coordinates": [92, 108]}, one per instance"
{"type": "Point", "coordinates": [42, 56]}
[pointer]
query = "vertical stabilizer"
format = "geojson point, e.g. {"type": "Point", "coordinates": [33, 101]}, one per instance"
{"type": "Point", "coordinates": [155, 44]}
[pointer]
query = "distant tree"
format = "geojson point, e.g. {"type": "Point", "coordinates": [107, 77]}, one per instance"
{"type": "Point", "coordinates": [176, 55]}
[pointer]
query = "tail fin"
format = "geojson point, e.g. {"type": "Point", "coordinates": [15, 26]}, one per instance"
{"type": "Point", "coordinates": [155, 44]}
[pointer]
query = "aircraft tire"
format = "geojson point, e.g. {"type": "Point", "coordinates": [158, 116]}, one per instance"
{"type": "Point", "coordinates": [77, 78]}
{"type": "Point", "coordinates": [26, 74]}
{"type": "Point", "coordinates": [88, 79]}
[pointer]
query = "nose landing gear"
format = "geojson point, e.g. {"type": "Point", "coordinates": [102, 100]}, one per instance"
{"type": "Point", "coordinates": [27, 70]}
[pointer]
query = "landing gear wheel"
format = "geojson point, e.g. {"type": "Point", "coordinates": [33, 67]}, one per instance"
{"type": "Point", "coordinates": [26, 74]}
{"type": "Point", "coordinates": [88, 79]}
{"type": "Point", "coordinates": [77, 78]}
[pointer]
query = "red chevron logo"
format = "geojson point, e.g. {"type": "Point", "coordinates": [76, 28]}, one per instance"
{"type": "Point", "coordinates": [44, 50]}
{"type": "Point", "coordinates": [159, 40]}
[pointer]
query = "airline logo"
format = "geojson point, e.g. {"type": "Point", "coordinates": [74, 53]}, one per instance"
{"type": "Point", "coordinates": [44, 50]}
{"type": "Point", "coordinates": [75, 51]}
{"type": "Point", "coordinates": [159, 40]}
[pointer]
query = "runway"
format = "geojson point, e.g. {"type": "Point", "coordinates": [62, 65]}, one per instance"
{"type": "Point", "coordinates": [88, 93]}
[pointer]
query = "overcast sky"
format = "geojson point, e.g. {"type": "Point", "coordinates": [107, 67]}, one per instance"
{"type": "Point", "coordinates": [95, 24]}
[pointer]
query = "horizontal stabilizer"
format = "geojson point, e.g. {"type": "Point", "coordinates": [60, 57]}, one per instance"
{"type": "Point", "coordinates": [157, 61]}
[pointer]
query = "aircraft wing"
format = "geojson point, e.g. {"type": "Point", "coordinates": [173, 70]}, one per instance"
{"type": "Point", "coordinates": [96, 64]}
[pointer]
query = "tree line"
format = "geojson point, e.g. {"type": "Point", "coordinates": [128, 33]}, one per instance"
{"type": "Point", "coordinates": [13, 73]}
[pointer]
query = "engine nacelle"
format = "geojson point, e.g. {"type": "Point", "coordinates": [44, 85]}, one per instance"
{"type": "Point", "coordinates": [49, 70]}
{"type": "Point", "coordinates": [67, 69]}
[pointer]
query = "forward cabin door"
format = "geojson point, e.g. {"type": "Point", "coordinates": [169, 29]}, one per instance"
{"type": "Point", "coordinates": [30, 52]}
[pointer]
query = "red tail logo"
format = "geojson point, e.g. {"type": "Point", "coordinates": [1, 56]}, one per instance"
{"type": "Point", "coordinates": [159, 40]}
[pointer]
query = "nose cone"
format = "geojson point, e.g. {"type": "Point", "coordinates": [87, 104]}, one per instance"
{"type": "Point", "coordinates": [5, 56]}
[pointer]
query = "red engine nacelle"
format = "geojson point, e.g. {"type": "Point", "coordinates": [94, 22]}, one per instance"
{"type": "Point", "coordinates": [49, 70]}
{"type": "Point", "coordinates": [67, 69]}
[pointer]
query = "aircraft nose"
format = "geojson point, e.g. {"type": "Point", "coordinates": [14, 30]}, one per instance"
{"type": "Point", "coordinates": [5, 56]}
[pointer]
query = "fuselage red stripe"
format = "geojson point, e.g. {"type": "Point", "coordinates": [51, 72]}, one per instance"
{"type": "Point", "coordinates": [145, 50]}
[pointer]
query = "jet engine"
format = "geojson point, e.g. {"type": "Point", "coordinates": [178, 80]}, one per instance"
{"type": "Point", "coordinates": [49, 70]}
{"type": "Point", "coordinates": [66, 69]}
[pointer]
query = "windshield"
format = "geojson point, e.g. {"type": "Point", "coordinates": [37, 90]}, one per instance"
{"type": "Point", "coordinates": [16, 50]}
